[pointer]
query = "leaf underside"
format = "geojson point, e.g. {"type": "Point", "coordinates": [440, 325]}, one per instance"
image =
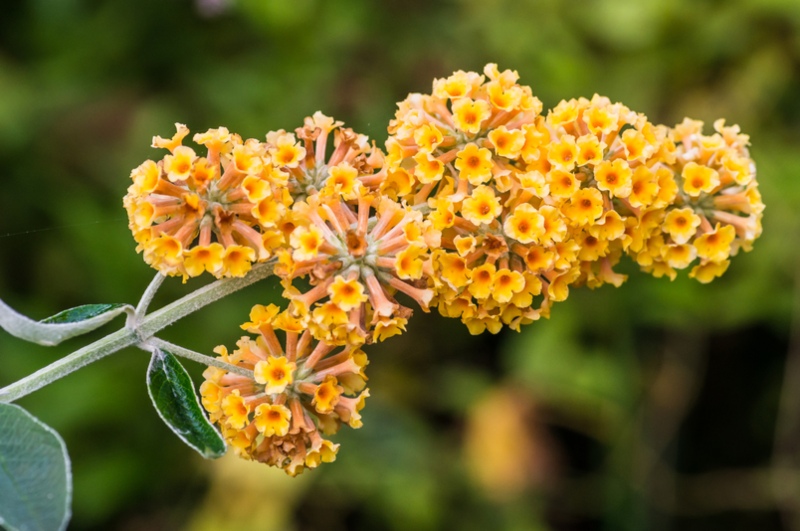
{"type": "Point", "coordinates": [35, 477]}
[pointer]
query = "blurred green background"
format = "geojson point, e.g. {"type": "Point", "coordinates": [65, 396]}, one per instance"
{"type": "Point", "coordinates": [657, 405]}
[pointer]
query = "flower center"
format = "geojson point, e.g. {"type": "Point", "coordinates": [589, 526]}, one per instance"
{"type": "Point", "coordinates": [356, 244]}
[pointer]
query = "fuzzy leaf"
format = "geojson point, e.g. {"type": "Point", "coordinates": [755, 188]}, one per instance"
{"type": "Point", "coordinates": [63, 325]}
{"type": "Point", "coordinates": [35, 477]}
{"type": "Point", "coordinates": [172, 392]}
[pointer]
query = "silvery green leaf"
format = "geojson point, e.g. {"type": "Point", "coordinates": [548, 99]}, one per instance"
{"type": "Point", "coordinates": [62, 326]}
{"type": "Point", "coordinates": [35, 477]}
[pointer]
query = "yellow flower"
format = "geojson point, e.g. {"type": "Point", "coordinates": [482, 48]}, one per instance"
{"type": "Point", "coordinates": [428, 137]}
{"type": "Point", "coordinates": [525, 224]}
{"type": "Point", "coordinates": [349, 409]}
{"type": "Point", "coordinates": [715, 246]}
{"type": "Point", "coordinates": [482, 281]}
{"type": "Point", "coordinates": [601, 119]}
{"type": "Point", "coordinates": [269, 212]}
{"type": "Point", "coordinates": [739, 168]}
{"type": "Point", "coordinates": [507, 143]}
{"type": "Point", "coordinates": [610, 226]}
{"type": "Point", "coordinates": [564, 112]}
{"type": "Point", "coordinates": [555, 226]}
{"type": "Point", "coordinates": [474, 164]}
{"type": "Point", "coordinates": [535, 183]}
{"type": "Point", "coordinates": [237, 260]}
{"type": "Point", "coordinates": [643, 187]}
{"type": "Point", "coordinates": [706, 272]}
{"type": "Point", "coordinates": [698, 179]}
{"type": "Point", "coordinates": [562, 184]}
{"type": "Point", "coordinates": [409, 262]}
{"type": "Point", "coordinates": [468, 114]}
{"type": "Point", "coordinates": [443, 214]}
{"type": "Point", "coordinates": [507, 284]}
{"type": "Point", "coordinates": [347, 294]}
{"type": "Point", "coordinates": [614, 177]}
{"type": "Point", "coordinates": [286, 150]}
{"type": "Point", "coordinates": [585, 206]}
{"type": "Point", "coordinates": [327, 395]}
{"type": "Point", "coordinates": [204, 258]}
{"type": "Point", "coordinates": [272, 419]}
{"type": "Point", "coordinates": [482, 207]}
{"type": "Point", "coordinates": [459, 85]}
{"type": "Point", "coordinates": [681, 224]}
{"type": "Point", "coordinates": [428, 169]}
{"type": "Point", "coordinates": [180, 133]}
{"type": "Point", "coordinates": [592, 247]}
{"type": "Point", "coordinates": [260, 315]}
{"type": "Point", "coordinates": [453, 269]}
{"type": "Point", "coordinates": [564, 153]}
{"type": "Point", "coordinates": [538, 259]}
{"type": "Point", "coordinates": [679, 256]}
{"type": "Point", "coordinates": [590, 150]}
{"type": "Point", "coordinates": [275, 373]}
{"type": "Point", "coordinates": [667, 188]}
{"type": "Point", "coordinates": [306, 242]}
{"type": "Point", "coordinates": [235, 408]}
{"type": "Point", "coordinates": [215, 140]}
{"type": "Point", "coordinates": [178, 166]}
{"type": "Point", "coordinates": [343, 181]}
{"type": "Point", "coordinates": [636, 145]}
{"type": "Point", "coordinates": [256, 188]}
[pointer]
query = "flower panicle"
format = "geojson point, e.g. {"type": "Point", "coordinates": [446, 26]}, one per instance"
{"type": "Point", "coordinates": [531, 203]}
{"type": "Point", "coordinates": [215, 213]}
{"type": "Point", "coordinates": [482, 205]}
{"type": "Point", "coordinates": [300, 391]}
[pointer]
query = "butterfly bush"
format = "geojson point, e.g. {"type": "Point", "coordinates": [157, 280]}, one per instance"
{"type": "Point", "coordinates": [482, 204]}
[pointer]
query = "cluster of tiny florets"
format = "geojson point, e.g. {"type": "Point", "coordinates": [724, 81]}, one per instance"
{"type": "Point", "coordinates": [216, 213]}
{"type": "Point", "coordinates": [531, 203]}
{"type": "Point", "coordinates": [482, 205]}
{"type": "Point", "coordinates": [299, 390]}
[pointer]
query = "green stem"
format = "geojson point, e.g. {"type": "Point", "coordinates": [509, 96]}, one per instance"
{"type": "Point", "coordinates": [58, 369]}
{"type": "Point", "coordinates": [147, 297]}
{"type": "Point", "coordinates": [134, 333]}
{"type": "Point", "coordinates": [196, 356]}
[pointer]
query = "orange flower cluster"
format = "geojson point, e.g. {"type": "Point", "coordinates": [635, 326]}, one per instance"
{"type": "Point", "coordinates": [530, 203]}
{"type": "Point", "coordinates": [357, 256]}
{"type": "Point", "coordinates": [217, 213]}
{"type": "Point", "coordinates": [481, 205]}
{"type": "Point", "coordinates": [717, 208]}
{"type": "Point", "coordinates": [298, 391]}
{"type": "Point", "coordinates": [357, 247]}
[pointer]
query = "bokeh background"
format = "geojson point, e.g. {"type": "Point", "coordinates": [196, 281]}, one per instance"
{"type": "Point", "coordinates": [659, 405]}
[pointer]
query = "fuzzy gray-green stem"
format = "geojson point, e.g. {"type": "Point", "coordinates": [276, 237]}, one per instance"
{"type": "Point", "coordinates": [136, 332]}
{"type": "Point", "coordinates": [178, 350]}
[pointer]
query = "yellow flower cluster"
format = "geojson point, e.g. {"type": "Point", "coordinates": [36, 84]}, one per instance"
{"type": "Point", "coordinates": [481, 205]}
{"type": "Point", "coordinates": [352, 167]}
{"type": "Point", "coordinates": [716, 210]}
{"type": "Point", "coordinates": [215, 213]}
{"type": "Point", "coordinates": [357, 255]}
{"type": "Point", "coordinates": [297, 391]}
{"type": "Point", "coordinates": [530, 203]}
